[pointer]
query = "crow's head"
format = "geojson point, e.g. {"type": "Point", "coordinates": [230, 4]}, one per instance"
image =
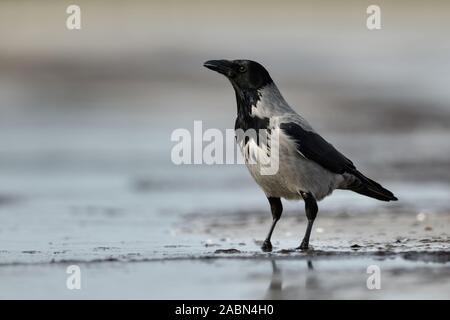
{"type": "Point", "coordinates": [243, 74]}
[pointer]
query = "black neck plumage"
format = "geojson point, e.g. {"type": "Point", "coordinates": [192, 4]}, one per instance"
{"type": "Point", "coordinates": [245, 99]}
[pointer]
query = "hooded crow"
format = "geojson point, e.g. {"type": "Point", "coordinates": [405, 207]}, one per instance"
{"type": "Point", "coordinates": [309, 167]}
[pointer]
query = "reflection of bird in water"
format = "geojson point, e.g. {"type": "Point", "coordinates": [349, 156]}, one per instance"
{"type": "Point", "coordinates": [276, 291]}
{"type": "Point", "coordinates": [311, 281]}
{"type": "Point", "coordinates": [277, 279]}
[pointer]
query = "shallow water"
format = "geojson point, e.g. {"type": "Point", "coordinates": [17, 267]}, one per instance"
{"type": "Point", "coordinates": [232, 279]}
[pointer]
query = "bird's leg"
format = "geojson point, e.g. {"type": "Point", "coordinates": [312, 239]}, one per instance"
{"type": "Point", "coordinates": [277, 208]}
{"type": "Point", "coordinates": [311, 213]}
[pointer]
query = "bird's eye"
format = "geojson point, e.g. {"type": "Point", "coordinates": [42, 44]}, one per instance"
{"type": "Point", "coordinates": [242, 69]}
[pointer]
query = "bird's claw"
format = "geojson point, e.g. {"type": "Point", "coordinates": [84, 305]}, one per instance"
{"type": "Point", "coordinates": [267, 246]}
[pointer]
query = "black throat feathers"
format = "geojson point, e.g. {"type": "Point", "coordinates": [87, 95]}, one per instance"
{"type": "Point", "coordinates": [245, 100]}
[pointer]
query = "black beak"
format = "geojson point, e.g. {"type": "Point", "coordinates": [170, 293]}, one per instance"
{"type": "Point", "coordinates": [224, 67]}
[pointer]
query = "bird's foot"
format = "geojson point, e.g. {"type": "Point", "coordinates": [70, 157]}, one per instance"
{"type": "Point", "coordinates": [304, 246]}
{"type": "Point", "coordinates": [266, 246]}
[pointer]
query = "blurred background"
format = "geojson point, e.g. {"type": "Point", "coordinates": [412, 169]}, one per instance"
{"type": "Point", "coordinates": [108, 96]}
{"type": "Point", "coordinates": [86, 115]}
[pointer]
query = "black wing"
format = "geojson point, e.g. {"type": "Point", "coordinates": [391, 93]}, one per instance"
{"type": "Point", "coordinates": [317, 149]}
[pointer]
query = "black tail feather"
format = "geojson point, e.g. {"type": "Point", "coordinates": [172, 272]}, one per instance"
{"type": "Point", "coordinates": [370, 188]}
